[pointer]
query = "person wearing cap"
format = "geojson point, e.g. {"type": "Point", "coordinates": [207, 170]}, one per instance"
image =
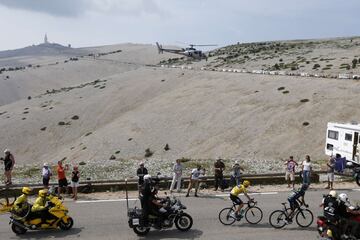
{"type": "Point", "coordinates": [75, 176]}
{"type": "Point", "coordinates": [177, 173]}
{"type": "Point", "coordinates": [9, 162]}
{"type": "Point", "coordinates": [236, 174]}
{"type": "Point", "coordinates": [46, 175]}
{"type": "Point", "coordinates": [141, 172]}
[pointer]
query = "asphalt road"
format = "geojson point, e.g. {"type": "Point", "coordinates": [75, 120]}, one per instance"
{"type": "Point", "coordinates": [108, 220]}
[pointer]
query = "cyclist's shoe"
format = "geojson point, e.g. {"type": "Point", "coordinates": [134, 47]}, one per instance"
{"type": "Point", "coordinates": [233, 215]}
{"type": "Point", "coordinates": [288, 221]}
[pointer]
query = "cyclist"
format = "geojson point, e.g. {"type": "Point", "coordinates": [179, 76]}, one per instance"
{"type": "Point", "coordinates": [297, 199]}
{"type": "Point", "coordinates": [234, 196]}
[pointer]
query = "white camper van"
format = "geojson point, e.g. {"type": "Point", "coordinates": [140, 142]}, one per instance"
{"type": "Point", "coordinates": [343, 139]}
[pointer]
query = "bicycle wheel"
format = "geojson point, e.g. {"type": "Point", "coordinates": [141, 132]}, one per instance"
{"type": "Point", "coordinates": [253, 215]}
{"type": "Point", "coordinates": [225, 218]}
{"type": "Point", "coordinates": [304, 218]}
{"type": "Point", "coordinates": [277, 219]}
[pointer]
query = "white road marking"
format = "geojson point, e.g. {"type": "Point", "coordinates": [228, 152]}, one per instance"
{"type": "Point", "coordinates": [265, 193]}
{"type": "Point", "coordinates": [135, 199]}
{"type": "Point", "coordinates": [356, 190]}
{"type": "Point", "coordinates": [106, 200]}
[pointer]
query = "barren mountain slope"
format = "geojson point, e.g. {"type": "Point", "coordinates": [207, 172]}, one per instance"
{"type": "Point", "coordinates": [200, 114]}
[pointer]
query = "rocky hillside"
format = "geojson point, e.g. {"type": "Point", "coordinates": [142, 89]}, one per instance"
{"type": "Point", "coordinates": [110, 112]}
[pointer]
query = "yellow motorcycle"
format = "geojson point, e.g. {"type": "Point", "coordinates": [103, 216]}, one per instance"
{"type": "Point", "coordinates": [27, 220]}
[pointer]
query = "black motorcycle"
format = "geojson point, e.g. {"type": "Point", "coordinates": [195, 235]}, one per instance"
{"type": "Point", "coordinates": [339, 229]}
{"type": "Point", "coordinates": [355, 167]}
{"type": "Point", "coordinates": [175, 215]}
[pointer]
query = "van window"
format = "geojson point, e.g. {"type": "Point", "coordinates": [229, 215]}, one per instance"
{"type": "Point", "coordinates": [333, 134]}
{"type": "Point", "coordinates": [348, 137]}
{"type": "Point", "coordinates": [329, 147]}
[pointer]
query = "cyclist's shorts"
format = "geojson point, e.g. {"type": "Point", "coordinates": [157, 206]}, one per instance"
{"type": "Point", "coordinates": [293, 204]}
{"type": "Point", "coordinates": [235, 199]}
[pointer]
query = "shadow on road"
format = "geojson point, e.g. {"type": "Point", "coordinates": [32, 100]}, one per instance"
{"type": "Point", "coordinates": [174, 233]}
{"type": "Point", "coordinates": [267, 225]}
{"type": "Point", "coordinates": [46, 234]}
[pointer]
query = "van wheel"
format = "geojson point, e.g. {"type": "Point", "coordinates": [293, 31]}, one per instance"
{"type": "Point", "coordinates": [17, 229]}
{"type": "Point", "coordinates": [66, 226]}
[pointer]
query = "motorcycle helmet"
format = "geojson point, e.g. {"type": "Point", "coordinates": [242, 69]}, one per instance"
{"type": "Point", "coordinates": [147, 177]}
{"type": "Point", "coordinates": [333, 193]}
{"type": "Point", "coordinates": [343, 197]}
{"type": "Point", "coordinates": [43, 193]}
{"type": "Point", "coordinates": [26, 190]}
{"type": "Point", "coordinates": [246, 183]}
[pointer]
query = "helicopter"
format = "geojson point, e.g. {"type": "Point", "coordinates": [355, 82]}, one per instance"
{"type": "Point", "coordinates": [189, 52]}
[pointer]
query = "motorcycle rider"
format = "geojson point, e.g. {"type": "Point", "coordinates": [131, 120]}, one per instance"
{"type": "Point", "coordinates": [234, 196]}
{"type": "Point", "coordinates": [345, 212]}
{"type": "Point", "coordinates": [330, 205]}
{"type": "Point", "coordinates": [21, 203]}
{"type": "Point", "coordinates": [145, 195]}
{"type": "Point", "coordinates": [39, 206]}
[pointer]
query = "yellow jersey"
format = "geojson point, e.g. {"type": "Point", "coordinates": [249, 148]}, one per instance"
{"type": "Point", "coordinates": [237, 190]}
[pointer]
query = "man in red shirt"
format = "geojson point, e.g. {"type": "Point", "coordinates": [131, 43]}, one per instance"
{"type": "Point", "coordinates": [63, 183]}
{"type": "Point", "coordinates": [290, 171]}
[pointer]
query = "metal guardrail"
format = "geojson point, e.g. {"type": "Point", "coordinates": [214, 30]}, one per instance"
{"type": "Point", "coordinates": [134, 180]}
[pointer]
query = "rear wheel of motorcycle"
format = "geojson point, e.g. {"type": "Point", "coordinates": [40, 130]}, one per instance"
{"type": "Point", "coordinates": [141, 231]}
{"type": "Point", "coordinates": [184, 222]}
{"type": "Point", "coordinates": [358, 179]}
{"type": "Point", "coordinates": [18, 230]}
{"type": "Point", "coordinates": [66, 226]}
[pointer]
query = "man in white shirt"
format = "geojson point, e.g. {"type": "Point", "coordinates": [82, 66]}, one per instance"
{"type": "Point", "coordinates": [194, 180]}
{"type": "Point", "coordinates": [177, 173]}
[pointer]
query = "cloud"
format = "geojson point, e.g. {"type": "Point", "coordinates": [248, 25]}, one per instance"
{"type": "Point", "coordinates": [65, 8]}
{"type": "Point", "coordinates": [73, 8]}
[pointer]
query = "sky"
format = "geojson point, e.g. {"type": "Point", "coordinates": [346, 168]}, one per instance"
{"type": "Point", "coordinates": [102, 22]}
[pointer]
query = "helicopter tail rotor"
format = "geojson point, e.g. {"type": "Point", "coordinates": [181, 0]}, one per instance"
{"type": "Point", "coordinates": [160, 49]}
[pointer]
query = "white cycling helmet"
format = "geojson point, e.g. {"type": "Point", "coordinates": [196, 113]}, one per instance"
{"type": "Point", "coordinates": [343, 197]}
{"type": "Point", "coordinates": [147, 177]}
{"type": "Point", "coordinates": [333, 193]}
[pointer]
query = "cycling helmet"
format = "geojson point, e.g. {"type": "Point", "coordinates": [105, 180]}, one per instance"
{"type": "Point", "coordinates": [43, 193]}
{"type": "Point", "coordinates": [147, 177]}
{"type": "Point", "coordinates": [343, 197]}
{"type": "Point", "coordinates": [26, 190]}
{"type": "Point", "coordinates": [333, 193]}
{"type": "Point", "coordinates": [7, 151]}
{"type": "Point", "coordinates": [246, 183]}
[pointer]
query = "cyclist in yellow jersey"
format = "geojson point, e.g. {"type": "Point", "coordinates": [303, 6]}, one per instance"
{"type": "Point", "coordinates": [234, 196]}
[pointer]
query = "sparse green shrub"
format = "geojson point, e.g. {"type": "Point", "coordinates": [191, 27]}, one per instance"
{"type": "Point", "coordinates": [280, 60]}
{"type": "Point", "coordinates": [354, 62]}
{"type": "Point", "coordinates": [148, 153]}
{"type": "Point", "coordinates": [316, 66]}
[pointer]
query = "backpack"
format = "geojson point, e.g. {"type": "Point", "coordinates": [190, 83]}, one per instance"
{"type": "Point", "coordinates": [330, 208]}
